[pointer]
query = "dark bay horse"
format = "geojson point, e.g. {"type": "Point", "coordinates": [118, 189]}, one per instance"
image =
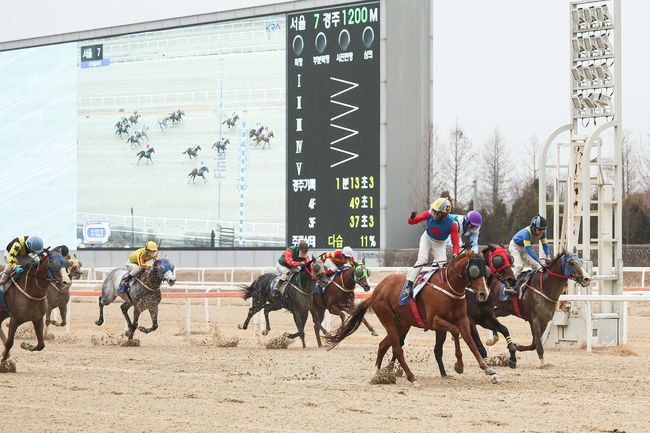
{"type": "Point", "coordinates": [338, 297]}
{"type": "Point", "coordinates": [26, 298]}
{"type": "Point", "coordinates": [263, 138]}
{"type": "Point", "coordinates": [197, 172]}
{"type": "Point", "coordinates": [298, 296]}
{"type": "Point", "coordinates": [145, 154]}
{"type": "Point", "coordinates": [231, 121]}
{"type": "Point", "coordinates": [58, 292]}
{"type": "Point", "coordinates": [192, 151]}
{"type": "Point", "coordinates": [441, 305]}
{"type": "Point", "coordinates": [482, 313]}
{"type": "Point", "coordinates": [539, 296]}
{"type": "Point", "coordinates": [143, 294]}
{"type": "Point", "coordinates": [221, 145]}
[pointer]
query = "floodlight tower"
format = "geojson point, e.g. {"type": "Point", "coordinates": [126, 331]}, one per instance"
{"type": "Point", "coordinates": [584, 174]}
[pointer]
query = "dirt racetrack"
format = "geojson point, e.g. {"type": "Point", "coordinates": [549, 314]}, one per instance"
{"type": "Point", "coordinates": [175, 383]}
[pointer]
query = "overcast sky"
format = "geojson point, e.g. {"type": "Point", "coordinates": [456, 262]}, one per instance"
{"type": "Point", "coordinates": [498, 64]}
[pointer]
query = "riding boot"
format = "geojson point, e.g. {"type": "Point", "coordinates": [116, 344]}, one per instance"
{"type": "Point", "coordinates": [3, 279]}
{"type": "Point", "coordinates": [509, 291]}
{"type": "Point", "coordinates": [407, 291]}
{"type": "Point", "coordinates": [124, 284]}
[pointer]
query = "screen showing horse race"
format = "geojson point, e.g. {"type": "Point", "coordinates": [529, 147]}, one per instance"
{"type": "Point", "coordinates": [183, 135]}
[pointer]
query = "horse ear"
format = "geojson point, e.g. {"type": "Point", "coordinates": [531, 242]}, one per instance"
{"type": "Point", "coordinates": [363, 261]}
{"type": "Point", "coordinates": [575, 250]}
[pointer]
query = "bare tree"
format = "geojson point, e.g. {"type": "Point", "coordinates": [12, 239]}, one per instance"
{"type": "Point", "coordinates": [496, 167]}
{"type": "Point", "coordinates": [459, 152]}
{"type": "Point", "coordinates": [630, 164]}
{"type": "Point", "coordinates": [425, 183]}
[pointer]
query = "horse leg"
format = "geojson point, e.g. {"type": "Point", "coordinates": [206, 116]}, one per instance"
{"type": "Point", "coordinates": [134, 326]}
{"type": "Point", "coordinates": [39, 326]}
{"type": "Point", "coordinates": [47, 315]}
{"type": "Point", "coordinates": [464, 328]}
{"type": "Point", "coordinates": [477, 340]}
{"type": "Point", "coordinates": [441, 336]}
{"type": "Point", "coordinates": [153, 313]}
{"type": "Point", "coordinates": [493, 340]}
{"type": "Point", "coordinates": [100, 321]}
{"type": "Point", "coordinates": [440, 324]}
{"type": "Point", "coordinates": [125, 311]}
{"type": "Point", "coordinates": [13, 326]}
{"type": "Point", "coordinates": [512, 362]}
{"type": "Point", "coordinates": [299, 318]}
{"type": "Point", "coordinates": [63, 310]}
{"type": "Point", "coordinates": [267, 309]}
{"type": "Point", "coordinates": [531, 346]}
{"type": "Point", "coordinates": [257, 306]}
{"type": "Point", "coordinates": [370, 328]}
{"type": "Point", "coordinates": [317, 316]}
{"type": "Point", "coordinates": [397, 340]}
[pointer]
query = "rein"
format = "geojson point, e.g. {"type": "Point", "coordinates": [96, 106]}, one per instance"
{"type": "Point", "coordinates": [541, 285]}
{"type": "Point", "coordinates": [25, 292]}
{"type": "Point", "coordinates": [342, 286]}
{"type": "Point", "coordinates": [452, 293]}
{"type": "Point", "coordinates": [56, 287]}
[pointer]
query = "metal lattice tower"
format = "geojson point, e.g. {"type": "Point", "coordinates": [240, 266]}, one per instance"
{"type": "Point", "coordinates": [586, 196]}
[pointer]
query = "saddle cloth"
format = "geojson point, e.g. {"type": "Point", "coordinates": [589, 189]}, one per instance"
{"type": "Point", "coordinates": [419, 283]}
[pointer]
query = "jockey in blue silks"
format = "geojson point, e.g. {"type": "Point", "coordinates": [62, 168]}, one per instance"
{"type": "Point", "coordinates": [521, 245]}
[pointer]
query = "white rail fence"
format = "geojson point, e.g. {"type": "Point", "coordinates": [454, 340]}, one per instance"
{"type": "Point", "coordinates": [226, 282]}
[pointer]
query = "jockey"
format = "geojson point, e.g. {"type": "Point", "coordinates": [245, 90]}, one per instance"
{"type": "Point", "coordinates": [63, 250]}
{"type": "Point", "coordinates": [290, 262]}
{"type": "Point", "coordinates": [469, 226]}
{"type": "Point", "coordinates": [18, 250]}
{"type": "Point", "coordinates": [440, 226]}
{"type": "Point", "coordinates": [337, 258]}
{"type": "Point", "coordinates": [137, 262]}
{"type": "Point", "coordinates": [521, 245]}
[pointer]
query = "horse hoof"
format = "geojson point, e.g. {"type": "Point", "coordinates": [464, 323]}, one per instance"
{"type": "Point", "coordinates": [458, 369]}
{"type": "Point", "coordinates": [374, 334]}
{"type": "Point", "coordinates": [512, 364]}
{"type": "Point", "coordinates": [143, 329]}
{"type": "Point", "coordinates": [99, 322]}
{"type": "Point", "coordinates": [490, 371]}
{"type": "Point", "coordinates": [491, 342]}
{"type": "Point", "coordinates": [265, 332]}
{"type": "Point", "coordinates": [26, 346]}
{"type": "Point", "coordinates": [240, 326]}
{"type": "Point", "coordinates": [415, 384]}
{"type": "Point", "coordinates": [495, 380]}
{"type": "Point", "coordinates": [286, 335]}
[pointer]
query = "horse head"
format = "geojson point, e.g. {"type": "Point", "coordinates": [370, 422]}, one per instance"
{"type": "Point", "coordinates": [361, 274]}
{"type": "Point", "coordinates": [164, 270]}
{"type": "Point", "coordinates": [56, 270]}
{"type": "Point", "coordinates": [74, 267]}
{"type": "Point", "coordinates": [316, 271]}
{"type": "Point", "coordinates": [472, 270]}
{"type": "Point", "coordinates": [500, 262]}
{"type": "Point", "coordinates": [571, 267]}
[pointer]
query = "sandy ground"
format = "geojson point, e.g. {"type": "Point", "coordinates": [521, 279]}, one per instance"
{"type": "Point", "coordinates": [172, 382]}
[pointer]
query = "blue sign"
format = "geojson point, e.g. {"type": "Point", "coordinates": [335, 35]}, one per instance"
{"type": "Point", "coordinates": [95, 63]}
{"type": "Point", "coordinates": [96, 232]}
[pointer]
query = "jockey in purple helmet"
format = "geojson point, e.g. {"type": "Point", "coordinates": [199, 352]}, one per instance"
{"type": "Point", "coordinates": [469, 226]}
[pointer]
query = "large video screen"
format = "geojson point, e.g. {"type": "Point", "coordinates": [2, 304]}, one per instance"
{"type": "Point", "coordinates": [187, 136]}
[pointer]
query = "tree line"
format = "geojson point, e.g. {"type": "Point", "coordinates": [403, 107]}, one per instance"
{"type": "Point", "coordinates": [507, 194]}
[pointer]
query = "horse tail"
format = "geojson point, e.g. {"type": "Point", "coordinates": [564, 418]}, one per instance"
{"type": "Point", "coordinates": [247, 291]}
{"type": "Point", "coordinates": [349, 326]}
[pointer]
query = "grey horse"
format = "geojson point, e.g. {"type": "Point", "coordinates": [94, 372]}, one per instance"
{"type": "Point", "coordinates": [144, 294]}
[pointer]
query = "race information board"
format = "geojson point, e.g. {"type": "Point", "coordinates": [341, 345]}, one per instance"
{"type": "Point", "coordinates": [333, 127]}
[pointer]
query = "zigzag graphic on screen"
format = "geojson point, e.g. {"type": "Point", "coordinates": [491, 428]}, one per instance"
{"type": "Point", "coordinates": [351, 132]}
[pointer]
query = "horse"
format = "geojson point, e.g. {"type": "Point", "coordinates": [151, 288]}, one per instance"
{"type": "Point", "coordinates": [482, 313]}
{"type": "Point", "coordinates": [176, 116]}
{"type": "Point", "coordinates": [26, 298]}
{"type": "Point", "coordinates": [221, 145]}
{"type": "Point", "coordinates": [122, 127]}
{"type": "Point", "coordinates": [145, 154]}
{"type": "Point", "coordinates": [538, 297]}
{"type": "Point", "coordinates": [254, 133]}
{"type": "Point", "coordinates": [338, 297]}
{"type": "Point", "coordinates": [197, 172]}
{"type": "Point", "coordinates": [143, 294]}
{"type": "Point", "coordinates": [162, 123]}
{"type": "Point", "coordinates": [440, 305]}
{"type": "Point", "coordinates": [264, 139]}
{"type": "Point", "coordinates": [192, 151]}
{"type": "Point", "coordinates": [134, 117]}
{"type": "Point", "coordinates": [134, 140]}
{"type": "Point", "coordinates": [231, 121]}
{"type": "Point", "coordinates": [58, 292]}
{"type": "Point", "coordinates": [298, 296]}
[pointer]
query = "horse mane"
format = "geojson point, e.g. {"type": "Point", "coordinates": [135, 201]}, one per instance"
{"type": "Point", "coordinates": [557, 257]}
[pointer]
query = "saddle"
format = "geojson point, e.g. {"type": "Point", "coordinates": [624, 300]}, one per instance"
{"type": "Point", "coordinates": [418, 284]}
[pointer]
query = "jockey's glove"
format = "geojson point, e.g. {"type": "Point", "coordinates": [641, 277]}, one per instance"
{"type": "Point", "coordinates": [18, 270]}
{"type": "Point", "coordinates": [413, 214]}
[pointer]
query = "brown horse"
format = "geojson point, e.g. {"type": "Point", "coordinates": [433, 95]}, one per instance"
{"type": "Point", "coordinates": [482, 313]}
{"type": "Point", "coordinates": [440, 305]}
{"type": "Point", "coordinates": [538, 297]}
{"type": "Point", "coordinates": [26, 299]}
{"type": "Point", "coordinates": [338, 297]}
{"type": "Point", "coordinates": [58, 293]}
{"type": "Point", "coordinates": [263, 138]}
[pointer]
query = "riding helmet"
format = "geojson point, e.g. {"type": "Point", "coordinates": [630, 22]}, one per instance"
{"type": "Point", "coordinates": [302, 246]}
{"type": "Point", "coordinates": [475, 218]}
{"type": "Point", "coordinates": [538, 222]}
{"type": "Point", "coordinates": [151, 246]}
{"type": "Point", "coordinates": [347, 252]}
{"type": "Point", "coordinates": [441, 205]}
{"type": "Point", "coordinates": [34, 244]}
